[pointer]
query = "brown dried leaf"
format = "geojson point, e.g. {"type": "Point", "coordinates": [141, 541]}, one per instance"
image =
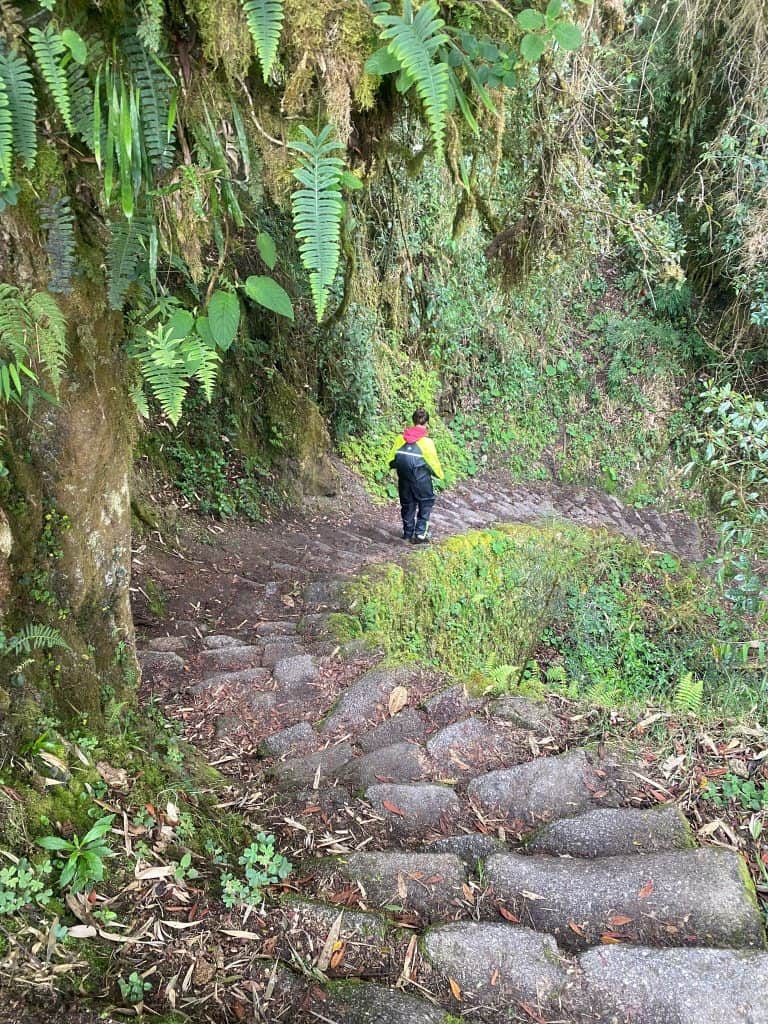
{"type": "Point", "coordinates": [392, 808]}
{"type": "Point", "coordinates": [455, 989]}
{"type": "Point", "coordinates": [398, 699]}
{"type": "Point", "coordinates": [617, 920]}
{"type": "Point", "coordinates": [576, 928]}
{"type": "Point", "coordinates": [509, 916]}
{"type": "Point", "coordinates": [646, 890]}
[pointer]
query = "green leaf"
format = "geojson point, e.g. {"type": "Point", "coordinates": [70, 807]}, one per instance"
{"type": "Point", "coordinates": [69, 872]}
{"type": "Point", "coordinates": [382, 62]}
{"type": "Point", "coordinates": [75, 44]}
{"type": "Point", "coordinates": [267, 249]}
{"type": "Point", "coordinates": [180, 324]}
{"type": "Point", "coordinates": [223, 318]}
{"type": "Point", "coordinates": [351, 181]}
{"type": "Point", "coordinates": [554, 8]}
{"type": "Point", "coordinates": [532, 47]}
{"type": "Point", "coordinates": [16, 74]}
{"type": "Point", "coordinates": [269, 294]}
{"type": "Point", "coordinates": [568, 35]}
{"type": "Point", "coordinates": [99, 829]}
{"type": "Point", "coordinates": [54, 843]}
{"type": "Point", "coordinates": [530, 20]}
{"type": "Point", "coordinates": [265, 22]}
{"type": "Point", "coordinates": [204, 331]}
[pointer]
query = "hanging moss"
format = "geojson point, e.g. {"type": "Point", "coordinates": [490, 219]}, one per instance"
{"type": "Point", "coordinates": [225, 37]}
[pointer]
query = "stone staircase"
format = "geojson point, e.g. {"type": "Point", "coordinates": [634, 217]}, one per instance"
{"type": "Point", "coordinates": [452, 858]}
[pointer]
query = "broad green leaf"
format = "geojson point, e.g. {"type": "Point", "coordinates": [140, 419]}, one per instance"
{"type": "Point", "coordinates": [54, 843]}
{"type": "Point", "coordinates": [350, 180]}
{"type": "Point", "coordinates": [223, 318]}
{"type": "Point", "coordinates": [267, 249]}
{"type": "Point", "coordinates": [75, 44]}
{"type": "Point", "coordinates": [179, 325]}
{"type": "Point", "coordinates": [99, 829]}
{"type": "Point", "coordinates": [554, 8]}
{"type": "Point", "coordinates": [269, 294]}
{"type": "Point", "coordinates": [68, 873]}
{"type": "Point", "coordinates": [568, 35]}
{"type": "Point", "coordinates": [204, 331]}
{"type": "Point", "coordinates": [382, 62]}
{"type": "Point", "coordinates": [530, 20]}
{"type": "Point", "coordinates": [532, 47]}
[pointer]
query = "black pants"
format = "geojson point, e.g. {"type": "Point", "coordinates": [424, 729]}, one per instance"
{"type": "Point", "coordinates": [416, 496]}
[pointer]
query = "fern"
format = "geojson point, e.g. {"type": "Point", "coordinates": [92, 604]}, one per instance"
{"type": "Point", "coordinates": [150, 27]}
{"type": "Point", "coordinates": [689, 694]}
{"type": "Point", "coordinates": [50, 336]}
{"type": "Point", "coordinates": [156, 88]}
{"type": "Point", "coordinates": [15, 73]}
{"type": "Point", "coordinates": [168, 363]}
{"type": "Point", "coordinates": [6, 136]}
{"type": "Point", "coordinates": [413, 42]}
{"type": "Point", "coordinates": [265, 22]}
{"type": "Point", "coordinates": [125, 247]}
{"type": "Point", "coordinates": [32, 637]}
{"type": "Point", "coordinates": [317, 210]}
{"type": "Point", "coordinates": [15, 322]}
{"type": "Point", "coordinates": [81, 101]}
{"type": "Point", "coordinates": [49, 48]}
{"type": "Point", "coordinates": [59, 224]}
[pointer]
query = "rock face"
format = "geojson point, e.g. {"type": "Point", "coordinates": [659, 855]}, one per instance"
{"type": "Point", "coordinates": [609, 832]}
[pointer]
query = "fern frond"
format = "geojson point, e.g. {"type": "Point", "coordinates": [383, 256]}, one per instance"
{"type": "Point", "coordinates": [59, 223]}
{"type": "Point", "coordinates": [17, 76]}
{"type": "Point", "coordinates": [50, 335]}
{"type": "Point", "coordinates": [15, 323]}
{"type": "Point", "coordinates": [689, 694]}
{"type": "Point", "coordinates": [81, 101]}
{"type": "Point", "coordinates": [139, 399]}
{"type": "Point", "coordinates": [34, 637]}
{"type": "Point", "coordinates": [156, 90]}
{"type": "Point", "coordinates": [265, 23]}
{"type": "Point", "coordinates": [6, 136]}
{"type": "Point", "coordinates": [202, 364]}
{"type": "Point", "coordinates": [150, 27]}
{"type": "Point", "coordinates": [160, 356]}
{"type": "Point", "coordinates": [123, 252]}
{"type": "Point", "coordinates": [413, 42]}
{"type": "Point", "coordinates": [49, 48]}
{"type": "Point", "coordinates": [317, 210]}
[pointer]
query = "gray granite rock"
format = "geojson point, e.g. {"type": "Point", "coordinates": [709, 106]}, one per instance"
{"type": "Point", "coordinates": [159, 664]}
{"type": "Point", "coordinates": [361, 701]}
{"type": "Point", "coordinates": [428, 883]}
{"type": "Point", "coordinates": [470, 741]}
{"type": "Point", "coordinates": [532, 793]}
{"type": "Point", "coordinates": [296, 739]}
{"type": "Point", "coordinates": [217, 641]}
{"type": "Point", "coordinates": [675, 986]}
{"type": "Point", "coordinates": [365, 1002]}
{"type": "Point", "coordinates": [524, 712]}
{"type": "Point", "coordinates": [402, 762]}
{"type": "Point", "coordinates": [276, 650]}
{"type": "Point", "coordinates": [450, 703]}
{"type": "Point", "coordinates": [242, 678]}
{"type": "Point", "coordinates": [302, 771]}
{"type": "Point", "coordinates": [497, 963]}
{"type": "Point", "coordinates": [281, 628]}
{"type": "Point", "coordinates": [229, 659]}
{"type": "Point", "coordinates": [327, 593]}
{"type": "Point", "coordinates": [296, 674]}
{"type": "Point", "coordinates": [696, 897]}
{"type": "Point", "coordinates": [610, 832]}
{"type": "Point", "coordinates": [168, 643]}
{"type": "Point", "coordinates": [470, 848]}
{"type": "Point", "coordinates": [422, 809]}
{"type": "Point", "coordinates": [407, 724]}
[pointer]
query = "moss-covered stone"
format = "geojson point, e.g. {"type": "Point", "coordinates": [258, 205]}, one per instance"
{"type": "Point", "coordinates": [299, 440]}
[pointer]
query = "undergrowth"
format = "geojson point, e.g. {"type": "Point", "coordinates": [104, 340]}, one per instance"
{"type": "Point", "coordinates": [572, 609]}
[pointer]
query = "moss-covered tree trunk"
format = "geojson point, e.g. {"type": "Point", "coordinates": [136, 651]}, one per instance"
{"type": "Point", "coordinates": [65, 521]}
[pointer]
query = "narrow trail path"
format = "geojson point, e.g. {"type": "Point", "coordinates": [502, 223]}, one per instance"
{"type": "Point", "coordinates": [452, 855]}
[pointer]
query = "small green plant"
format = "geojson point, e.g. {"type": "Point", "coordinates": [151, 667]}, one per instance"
{"type": "Point", "coordinates": [747, 794]}
{"type": "Point", "coordinates": [82, 860]}
{"type": "Point", "coordinates": [262, 866]}
{"type": "Point", "coordinates": [689, 694]}
{"type": "Point", "coordinates": [133, 988]}
{"type": "Point", "coordinates": [22, 884]}
{"type": "Point", "coordinates": [184, 870]}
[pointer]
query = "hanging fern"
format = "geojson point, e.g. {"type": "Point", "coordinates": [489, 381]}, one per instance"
{"type": "Point", "coordinates": [150, 27]}
{"type": "Point", "coordinates": [413, 42]}
{"type": "Point", "coordinates": [49, 49]}
{"type": "Point", "coordinates": [168, 364]}
{"type": "Point", "coordinates": [14, 322]}
{"type": "Point", "coordinates": [125, 248]}
{"type": "Point", "coordinates": [6, 136]}
{"type": "Point", "coordinates": [49, 328]}
{"type": "Point", "coordinates": [81, 101]}
{"type": "Point", "coordinates": [16, 75]}
{"type": "Point", "coordinates": [59, 223]}
{"type": "Point", "coordinates": [156, 88]}
{"type": "Point", "coordinates": [265, 22]}
{"type": "Point", "coordinates": [317, 210]}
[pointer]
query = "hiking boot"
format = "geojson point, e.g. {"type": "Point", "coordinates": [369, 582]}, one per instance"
{"type": "Point", "coordinates": [420, 538]}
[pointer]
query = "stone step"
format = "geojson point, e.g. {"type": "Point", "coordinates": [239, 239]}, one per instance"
{"type": "Point", "coordinates": [408, 724]}
{"type": "Point", "coordinates": [471, 848]}
{"type": "Point", "coordinates": [168, 643]}
{"type": "Point", "coordinates": [295, 740]}
{"type": "Point", "coordinates": [364, 1002]}
{"type": "Point", "coordinates": [413, 811]}
{"type": "Point", "coordinates": [400, 762]}
{"type": "Point", "coordinates": [157, 665]}
{"type": "Point", "coordinates": [243, 678]}
{"type": "Point", "coordinates": [472, 743]}
{"type": "Point", "coordinates": [362, 701]}
{"type": "Point", "coordinates": [429, 884]}
{"type": "Point", "coordinates": [282, 627]}
{"type": "Point", "coordinates": [609, 832]}
{"type": "Point", "coordinates": [219, 640]}
{"type": "Point", "coordinates": [630, 985]}
{"type": "Point", "coordinates": [229, 659]}
{"type": "Point", "coordinates": [295, 675]}
{"type": "Point", "coordinates": [549, 787]}
{"type": "Point", "coordinates": [691, 898]}
{"type": "Point", "coordinates": [323, 765]}
{"type": "Point", "coordinates": [495, 965]}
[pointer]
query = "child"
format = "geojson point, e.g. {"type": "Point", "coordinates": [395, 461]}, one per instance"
{"type": "Point", "coordinates": [415, 459]}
